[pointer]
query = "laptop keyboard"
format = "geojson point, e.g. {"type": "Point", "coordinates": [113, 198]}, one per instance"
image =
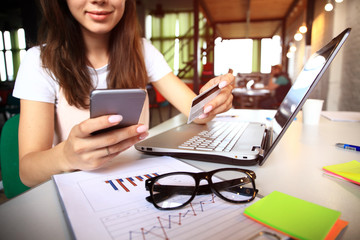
{"type": "Point", "coordinates": [222, 137]}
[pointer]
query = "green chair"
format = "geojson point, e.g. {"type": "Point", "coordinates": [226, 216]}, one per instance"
{"type": "Point", "coordinates": [9, 158]}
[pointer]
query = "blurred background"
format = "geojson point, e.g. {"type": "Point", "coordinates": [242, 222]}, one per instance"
{"type": "Point", "coordinates": [201, 39]}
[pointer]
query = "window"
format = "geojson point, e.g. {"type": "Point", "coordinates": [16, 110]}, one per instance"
{"type": "Point", "coordinates": [173, 36]}
{"type": "Point", "coordinates": [235, 54]}
{"type": "Point", "coordinates": [12, 50]}
{"type": "Point", "coordinates": [238, 55]}
{"type": "Point", "coordinates": [2, 58]}
{"type": "Point", "coordinates": [270, 53]}
{"type": "Point", "coordinates": [22, 42]}
{"type": "Point", "coordinates": [176, 48]}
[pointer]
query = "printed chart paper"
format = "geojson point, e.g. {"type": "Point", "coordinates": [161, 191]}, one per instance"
{"type": "Point", "coordinates": [112, 205]}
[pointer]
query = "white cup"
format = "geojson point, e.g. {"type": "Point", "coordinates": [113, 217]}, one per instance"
{"type": "Point", "coordinates": [311, 111]}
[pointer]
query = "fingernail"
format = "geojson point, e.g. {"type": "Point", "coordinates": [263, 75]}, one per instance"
{"type": "Point", "coordinates": [143, 136]}
{"type": "Point", "coordinates": [202, 116]}
{"type": "Point", "coordinates": [222, 84]}
{"type": "Point", "coordinates": [142, 128]}
{"type": "Point", "coordinates": [208, 109]}
{"type": "Point", "coordinates": [115, 118]}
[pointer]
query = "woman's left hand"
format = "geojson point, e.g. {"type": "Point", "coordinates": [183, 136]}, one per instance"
{"type": "Point", "coordinates": [222, 102]}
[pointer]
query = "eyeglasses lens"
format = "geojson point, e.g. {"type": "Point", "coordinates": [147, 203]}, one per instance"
{"type": "Point", "coordinates": [173, 191]}
{"type": "Point", "coordinates": [233, 185]}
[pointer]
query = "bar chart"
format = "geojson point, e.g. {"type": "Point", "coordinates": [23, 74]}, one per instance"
{"type": "Point", "coordinates": [125, 184]}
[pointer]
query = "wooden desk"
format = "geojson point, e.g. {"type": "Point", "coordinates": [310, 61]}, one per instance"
{"type": "Point", "coordinates": [294, 168]}
{"type": "Point", "coordinates": [249, 98]}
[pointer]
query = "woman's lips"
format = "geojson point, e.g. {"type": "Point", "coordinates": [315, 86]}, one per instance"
{"type": "Point", "coordinates": [98, 15]}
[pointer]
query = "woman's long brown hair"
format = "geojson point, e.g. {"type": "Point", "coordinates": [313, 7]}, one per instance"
{"type": "Point", "coordinates": [63, 52]}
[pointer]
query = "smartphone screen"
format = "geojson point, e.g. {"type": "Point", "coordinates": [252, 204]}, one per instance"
{"type": "Point", "coordinates": [125, 102]}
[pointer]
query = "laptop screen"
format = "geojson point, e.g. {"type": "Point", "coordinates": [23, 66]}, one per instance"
{"type": "Point", "coordinates": [304, 84]}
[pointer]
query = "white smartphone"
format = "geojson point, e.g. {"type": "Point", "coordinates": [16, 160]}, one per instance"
{"type": "Point", "coordinates": [125, 102]}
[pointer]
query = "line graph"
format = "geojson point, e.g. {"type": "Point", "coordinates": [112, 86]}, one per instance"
{"type": "Point", "coordinates": [208, 217]}
{"type": "Point", "coordinates": [172, 220]}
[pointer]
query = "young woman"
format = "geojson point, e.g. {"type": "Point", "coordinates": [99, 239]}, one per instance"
{"type": "Point", "coordinates": [86, 45]}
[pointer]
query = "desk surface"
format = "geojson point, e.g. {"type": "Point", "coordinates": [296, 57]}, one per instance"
{"type": "Point", "coordinates": [294, 167]}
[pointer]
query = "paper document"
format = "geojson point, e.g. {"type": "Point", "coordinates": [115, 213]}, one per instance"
{"type": "Point", "coordinates": [342, 116]}
{"type": "Point", "coordinates": [111, 205]}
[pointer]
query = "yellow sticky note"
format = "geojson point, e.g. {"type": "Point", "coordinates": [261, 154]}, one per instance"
{"type": "Point", "coordinates": [349, 171]}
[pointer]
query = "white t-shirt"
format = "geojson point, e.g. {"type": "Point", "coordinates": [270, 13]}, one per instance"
{"type": "Point", "coordinates": [34, 83]}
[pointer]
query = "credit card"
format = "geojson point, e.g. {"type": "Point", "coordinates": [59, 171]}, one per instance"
{"type": "Point", "coordinates": [198, 103]}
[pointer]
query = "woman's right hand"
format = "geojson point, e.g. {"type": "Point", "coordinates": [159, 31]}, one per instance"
{"type": "Point", "coordinates": [84, 151]}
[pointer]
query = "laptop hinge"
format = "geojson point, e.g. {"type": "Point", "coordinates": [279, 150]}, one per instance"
{"type": "Point", "coordinates": [266, 144]}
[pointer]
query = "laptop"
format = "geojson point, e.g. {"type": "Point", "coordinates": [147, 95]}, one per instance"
{"type": "Point", "coordinates": [244, 143]}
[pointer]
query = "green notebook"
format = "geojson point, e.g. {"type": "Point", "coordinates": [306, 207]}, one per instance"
{"type": "Point", "coordinates": [293, 216]}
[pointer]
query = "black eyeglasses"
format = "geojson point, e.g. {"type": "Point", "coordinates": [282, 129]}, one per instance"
{"type": "Point", "coordinates": [177, 189]}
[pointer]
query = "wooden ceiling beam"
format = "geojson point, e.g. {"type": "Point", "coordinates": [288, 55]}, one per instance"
{"type": "Point", "coordinates": [249, 13]}
{"type": "Point", "coordinates": [252, 21]}
{"type": "Point", "coordinates": [278, 27]}
{"type": "Point", "coordinates": [206, 12]}
{"type": "Point", "coordinates": [290, 9]}
{"type": "Point", "coordinates": [288, 12]}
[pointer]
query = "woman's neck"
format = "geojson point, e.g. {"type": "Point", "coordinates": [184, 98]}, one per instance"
{"type": "Point", "coordinates": [97, 48]}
